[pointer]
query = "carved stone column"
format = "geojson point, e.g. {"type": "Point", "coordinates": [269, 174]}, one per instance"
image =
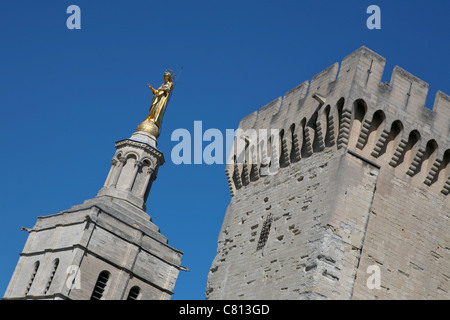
{"type": "Point", "coordinates": [138, 164]}
{"type": "Point", "coordinates": [111, 171]}
{"type": "Point", "coordinates": [146, 182]}
{"type": "Point", "coordinates": [117, 172]}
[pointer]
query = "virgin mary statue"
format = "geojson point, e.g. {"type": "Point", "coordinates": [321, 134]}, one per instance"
{"type": "Point", "coordinates": [160, 99]}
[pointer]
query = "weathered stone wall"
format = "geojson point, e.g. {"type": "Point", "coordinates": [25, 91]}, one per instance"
{"type": "Point", "coordinates": [358, 176]}
{"type": "Point", "coordinates": [408, 239]}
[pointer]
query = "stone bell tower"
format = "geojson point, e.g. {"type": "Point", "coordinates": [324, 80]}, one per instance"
{"type": "Point", "coordinates": [356, 184]}
{"type": "Point", "coordinates": [107, 247]}
{"type": "Point", "coordinates": [134, 168]}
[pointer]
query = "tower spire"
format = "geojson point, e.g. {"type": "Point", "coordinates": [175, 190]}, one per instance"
{"type": "Point", "coordinates": [108, 243]}
{"type": "Point", "coordinates": [134, 167]}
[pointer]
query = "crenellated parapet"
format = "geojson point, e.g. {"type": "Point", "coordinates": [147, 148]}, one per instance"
{"type": "Point", "coordinates": [347, 107]}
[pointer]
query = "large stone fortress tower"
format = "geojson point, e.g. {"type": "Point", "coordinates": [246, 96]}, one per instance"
{"type": "Point", "coordinates": [361, 184]}
{"type": "Point", "coordinates": [106, 248]}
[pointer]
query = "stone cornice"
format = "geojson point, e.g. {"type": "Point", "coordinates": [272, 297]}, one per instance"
{"type": "Point", "coordinates": [141, 145]}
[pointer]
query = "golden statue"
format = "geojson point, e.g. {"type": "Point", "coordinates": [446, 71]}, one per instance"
{"type": "Point", "coordinates": [152, 124]}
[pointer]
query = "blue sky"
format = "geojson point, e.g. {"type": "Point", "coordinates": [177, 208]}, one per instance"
{"type": "Point", "coordinates": [67, 95]}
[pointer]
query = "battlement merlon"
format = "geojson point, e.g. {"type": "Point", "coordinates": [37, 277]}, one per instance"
{"type": "Point", "coordinates": [404, 95]}
{"type": "Point", "coordinates": [310, 110]}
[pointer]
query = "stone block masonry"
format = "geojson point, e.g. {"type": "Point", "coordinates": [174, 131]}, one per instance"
{"type": "Point", "coordinates": [363, 179]}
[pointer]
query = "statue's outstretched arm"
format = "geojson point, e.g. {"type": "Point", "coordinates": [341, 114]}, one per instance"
{"type": "Point", "coordinates": [153, 89]}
